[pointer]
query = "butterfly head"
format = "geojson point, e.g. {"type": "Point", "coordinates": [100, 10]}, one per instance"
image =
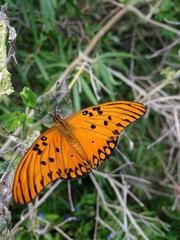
{"type": "Point", "coordinates": [56, 118]}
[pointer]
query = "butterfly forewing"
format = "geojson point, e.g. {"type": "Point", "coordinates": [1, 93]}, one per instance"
{"type": "Point", "coordinates": [98, 128]}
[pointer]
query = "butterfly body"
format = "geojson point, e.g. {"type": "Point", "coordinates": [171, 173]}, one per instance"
{"type": "Point", "coordinates": [73, 146]}
{"type": "Point", "coordinates": [66, 130]}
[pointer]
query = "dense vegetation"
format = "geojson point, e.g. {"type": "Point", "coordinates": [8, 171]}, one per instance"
{"type": "Point", "coordinates": [106, 51]}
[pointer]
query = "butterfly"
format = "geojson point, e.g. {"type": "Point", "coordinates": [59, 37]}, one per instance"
{"type": "Point", "coordinates": [73, 147]}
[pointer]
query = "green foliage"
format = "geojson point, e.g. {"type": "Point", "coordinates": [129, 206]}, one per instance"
{"type": "Point", "coordinates": [169, 10]}
{"type": "Point", "coordinates": [11, 121]}
{"type": "Point", "coordinates": [88, 91]}
{"type": "Point", "coordinates": [48, 16]}
{"type": "Point", "coordinates": [76, 97]}
{"type": "Point", "coordinates": [29, 97]}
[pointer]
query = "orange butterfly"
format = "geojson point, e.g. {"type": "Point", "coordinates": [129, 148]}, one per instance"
{"type": "Point", "coordinates": [73, 146]}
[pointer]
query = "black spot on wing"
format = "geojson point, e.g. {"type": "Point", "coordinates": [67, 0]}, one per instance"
{"type": "Point", "coordinates": [43, 163]}
{"type": "Point", "coordinates": [35, 148]}
{"type": "Point", "coordinates": [100, 112]}
{"type": "Point", "coordinates": [57, 150]}
{"type": "Point", "coordinates": [43, 138]}
{"type": "Point", "coordinates": [85, 112]}
{"type": "Point", "coordinates": [105, 123]}
{"type": "Point", "coordinates": [116, 132]}
{"type": "Point", "coordinates": [39, 152]}
{"type": "Point", "coordinates": [51, 159]}
{"type": "Point", "coordinates": [96, 108]}
{"type": "Point", "coordinates": [44, 144]}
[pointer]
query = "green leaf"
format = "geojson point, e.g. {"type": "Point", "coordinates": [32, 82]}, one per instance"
{"type": "Point", "coordinates": [88, 91]}
{"type": "Point", "coordinates": [11, 121]}
{"type": "Point", "coordinates": [48, 15]}
{"type": "Point", "coordinates": [76, 98]}
{"type": "Point", "coordinates": [116, 55]}
{"type": "Point", "coordinates": [52, 216]}
{"type": "Point", "coordinates": [41, 67]}
{"type": "Point", "coordinates": [106, 77]}
{"type": "Point", "coordinates": [29, 97]}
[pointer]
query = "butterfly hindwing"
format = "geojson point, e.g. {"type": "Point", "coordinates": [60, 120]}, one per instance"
{"type": "Point", "coordinates": [98, 128]}
{"type": "Point", "coordinates": [29, 177]}
{"type": "Point", "coordinates": [49, 158]}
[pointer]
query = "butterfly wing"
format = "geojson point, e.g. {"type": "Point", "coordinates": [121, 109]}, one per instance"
{"type": "Point", "coordinates": [49, 158]}
{"type": "Point", "coordinates": [98, 128]}
{"type": "Point", "coordinates": [53, 156]}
